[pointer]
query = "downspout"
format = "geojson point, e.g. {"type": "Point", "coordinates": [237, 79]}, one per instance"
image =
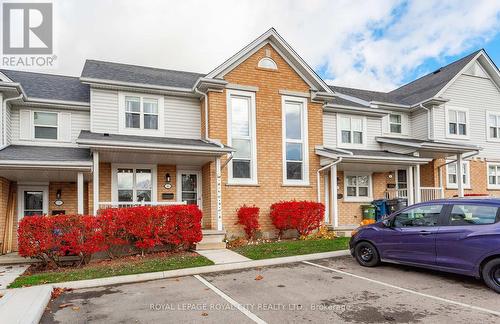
{"type": "Point", "coordinates": [4, 117]}
{"type": "Point", "coordinates": [204, 94]}
{"type": "Point", "coordinates": [318, 187]}
{"type": "Point", "coordinates": [428, 121]}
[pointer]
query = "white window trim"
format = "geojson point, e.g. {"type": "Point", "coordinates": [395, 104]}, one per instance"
{"type": "Point", "coordinates": [304, 141]}
{"type": "Point", "coordinates": [467, 178]}
{"type": "Point", "coordinates": [263, 61]}
{"type": "Point", "coordinates": [253, 140]}
{"type": "Point", "coordinates": [488, 137]}
{"type": "Point", "coordinates": [467, 123]}
{"type": "Point", "coordinates": [141, 131]}
{"type": "Point", "coordinates": [114, 178]}
{"type": "Point", "coordinates": [339, 132]}
{"type": "Point", "coordinates": [20, 198]}
{"type": "Point", "coordinates": [32, 124]}
{"type": "Point", "coordinates": [400, 123]}
{"type": "Point", "coordinates": [492, 186]}
{"type": "Point", "coordinates": [370, 187]}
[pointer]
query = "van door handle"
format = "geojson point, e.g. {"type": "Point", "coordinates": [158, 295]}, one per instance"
{"type": "Point", "coordinates": [425, 232]}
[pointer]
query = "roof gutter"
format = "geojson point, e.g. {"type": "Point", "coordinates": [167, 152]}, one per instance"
{"type": "Point", "coordinates": [318, 187]}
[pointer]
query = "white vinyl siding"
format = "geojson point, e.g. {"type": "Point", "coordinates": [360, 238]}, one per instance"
{"type": "Point", "coordinates": [70, 123]}
{"type": "Point", "coordinates": [331, 130]}
{"type": "Point", "coordinates": [181, 116]}
{"type": "Point", "coordinates": [480, 96]}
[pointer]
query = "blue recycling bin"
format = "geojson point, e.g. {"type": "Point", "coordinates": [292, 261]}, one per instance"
{"type": "Point", "coordinates": [381, 208]}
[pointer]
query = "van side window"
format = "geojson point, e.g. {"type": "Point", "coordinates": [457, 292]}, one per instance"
{"type": "Point", "coordinates": [419, 216]}
{"type": "Point", "coordinates": [473, 215]}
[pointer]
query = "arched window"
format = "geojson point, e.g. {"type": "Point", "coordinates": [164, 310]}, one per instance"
{"type": "Point", "coordinates": [267, 63]}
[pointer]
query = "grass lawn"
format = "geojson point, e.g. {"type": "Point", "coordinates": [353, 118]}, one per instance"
{"type": "Point", "coordinates": [288, 248]}
{"type": "Point", "coordinates": [117, 267]}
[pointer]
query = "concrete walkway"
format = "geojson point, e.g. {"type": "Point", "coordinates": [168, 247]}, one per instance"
{"type": "Point", "coordinates": [24, 305]}
{"type": "Point", "coordinates": [223, 256]}
{"type": "Point", "coordinates": [9, 273]}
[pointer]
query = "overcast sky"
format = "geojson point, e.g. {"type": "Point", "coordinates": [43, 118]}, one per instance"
{"type": "Point", "coordinates": [366, 44]}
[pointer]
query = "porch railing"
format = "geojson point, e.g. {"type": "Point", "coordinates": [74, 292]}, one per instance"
{"type": "Point", "coordinates": [396, 193]}
{"type": "Point", "coordinates": [122, 204]}
{"type": "Point", "coordinates": [431, 193]}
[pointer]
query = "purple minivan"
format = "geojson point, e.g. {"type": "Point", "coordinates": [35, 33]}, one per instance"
{"type": "Point", "coordinates": [459, 235]}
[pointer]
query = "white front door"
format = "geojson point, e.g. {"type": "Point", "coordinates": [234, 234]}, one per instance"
{"type": "Point", "coordinates": [189, 187]}
{"type": "Point", "coordinates": [32, 200]}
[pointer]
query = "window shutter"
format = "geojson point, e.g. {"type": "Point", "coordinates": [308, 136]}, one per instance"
{"type": "Point", "coordinates": [25, 125]}
{"type": "Point", "coordinates": [385, 125]}
{"type": "Point", "coordinates": [64, 124]}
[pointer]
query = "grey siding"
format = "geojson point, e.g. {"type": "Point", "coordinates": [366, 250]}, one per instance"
{"type": "Point", "coordinates": [329, 129]}
{"type": "Point", "coordinates": [104, 110]}
{"type": "Point", "coordinates": [418, 120]}
{"type": "Point", "coordinates": [479, 95]}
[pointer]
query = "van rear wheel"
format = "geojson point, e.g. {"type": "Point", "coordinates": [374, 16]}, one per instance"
{"type": "Point", "coordinates": [366, 254]}
{"type": "Point", "coordinates": [491, 274]}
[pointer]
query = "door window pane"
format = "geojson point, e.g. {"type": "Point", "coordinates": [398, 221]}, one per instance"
{"type": "Point", "coordinates": [473, 215]}
{"type": "Point", "coordinates": [293, 121]}
{"type": "Point", "coordinates": [33, 203]}
{"type": "Point", "coordinates": [189, 189]}
{"type": "Point", "coordinates": [419, 216]}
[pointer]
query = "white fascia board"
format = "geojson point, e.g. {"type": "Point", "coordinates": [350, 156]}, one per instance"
{"type": "Point", "coordinates": [396, 142]}
{"type": "Point", "coordinates": [4, 78]}
{"type": "Point", "coordinates": [77, 165]}
{"type": "Point", "coordinates": [149, 146]}
{"type": "Point", "coordinates": [354, 110]}
{"type": "Point", "coordinates": [57, 102]}
{"type": "Point", "coordinates": [372, 158]}
{"type": "Point", "coordinates": [134, 85]}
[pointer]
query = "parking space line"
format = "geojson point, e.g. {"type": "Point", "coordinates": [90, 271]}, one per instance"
{"type": "Point", "coordinates": [449, 301]}
{"type": "Point", "coordinates": [233, 302]}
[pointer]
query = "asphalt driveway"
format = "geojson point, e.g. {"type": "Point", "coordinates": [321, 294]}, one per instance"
{"type": "Point", "coordinates": [328, 290]}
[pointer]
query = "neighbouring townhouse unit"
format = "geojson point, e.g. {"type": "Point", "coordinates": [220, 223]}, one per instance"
{"type": "Point", "coordinates": [260, 128]}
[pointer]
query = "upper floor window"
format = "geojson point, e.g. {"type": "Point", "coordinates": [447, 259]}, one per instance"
{"type": "Point", "coordinates": [494, 175]}
{"type": "Point", "coordinates": [352, 130]}
{"type": "Point", "coordinates": [295, 140]}
{"type": "Point", "coordinates": [395, 123]}
{"type": "Point", "coordinates": [457, 120]}
{"type": "Point", "coordinates": [141, 114]}
{"type": "Point", "coordinates": [241, 136]}
{"type": "Point", "coordinates": [493, 126]}
{"type": "Point", "coordinates": [45, 125]}
{"type": "Point", "coordinates": [451, 175]}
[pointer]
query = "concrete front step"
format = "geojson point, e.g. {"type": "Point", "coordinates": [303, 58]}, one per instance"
{"type": "Point", "coordinates": [212, 239]}
{"type": "Point", "coordinates": [343, 230]}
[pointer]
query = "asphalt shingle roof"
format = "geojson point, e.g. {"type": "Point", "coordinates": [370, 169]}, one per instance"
{"type": "Point", "coordinates": [44, 153]}
{"type": "Point", "coordinates": [416, 91]}
{"type": "Point", "coordinates": [50, 86]}
{"type": "Point", "coordinates": [139, 74]}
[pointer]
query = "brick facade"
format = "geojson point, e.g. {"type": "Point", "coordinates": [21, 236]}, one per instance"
{"type": "Point", "coordinates": [270, 186]}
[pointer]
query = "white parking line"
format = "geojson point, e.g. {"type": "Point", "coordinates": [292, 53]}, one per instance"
{"type": "Point", "coordinates": [407, 290]}
{"type": "Point", "coordinates": [233, 302]}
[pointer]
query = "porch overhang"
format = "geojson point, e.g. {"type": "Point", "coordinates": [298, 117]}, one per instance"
{"type": "Point", "coordinates": [133, 143]}
{"type": "Point", "coordinates": [368, 160]}
{"type": "Point", "coordinates": [426, 148]}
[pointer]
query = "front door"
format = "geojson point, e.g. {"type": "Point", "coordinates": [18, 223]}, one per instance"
{"type": "Point", "coordinates": [32, 200]}
{"type": "Point", "coordinates": [412, 235]}
{"type": "Point", "coordinates": [189, 187]}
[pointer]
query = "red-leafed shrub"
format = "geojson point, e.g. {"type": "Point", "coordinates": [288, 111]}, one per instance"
{"type": "Point", "coordinates": [49, 237]}
{"type": "Point", "coordinates": [248, 217]}
{"type": "Point", "coordinates": [303, 216]}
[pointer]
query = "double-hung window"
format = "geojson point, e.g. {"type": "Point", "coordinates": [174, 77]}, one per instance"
{"type": "Point", "coordinates": [295, 166]}
{"type": "Point", "coordinates": [494, 175]}
{"type": "Point", "coordinates": [452, 177]}
{"type": "Point", "coordinates": [241, 136]}
{"type": "Point", "coordinates": [141, 112]}
{"type": "Point", "coordinates": [395, 124]}
{"type": "Point", "coordinates": [493, 131]}
{"type": "Point", "coordinates": [457, 122]}
{"type": "Point", "coordinates": [45, 125]}
{"type": "Point", "coordinates": [351, 130]}
{"type": "Point", "coordinates": [134, 184]}
{"type": "Point", "coordinates": [357, 186]}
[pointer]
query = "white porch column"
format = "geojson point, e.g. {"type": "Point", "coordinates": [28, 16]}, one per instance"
{"type": "Point", "coordinates": [218, 191]}
{"type": "Point", "coordinates": [333, 197]}
{"type": "Point", "coordinates": [79, 190]}
{"type": "Point", "coordinates": [327, 198]}
{"type": "Point", "coordinates": [417, 184]}
{"type": "Point", "coordinates": [409, 175]}
{"type": "Point", "coordinates": [95, 182]}
{"type": "Point", "coordinates": [460, 184]}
